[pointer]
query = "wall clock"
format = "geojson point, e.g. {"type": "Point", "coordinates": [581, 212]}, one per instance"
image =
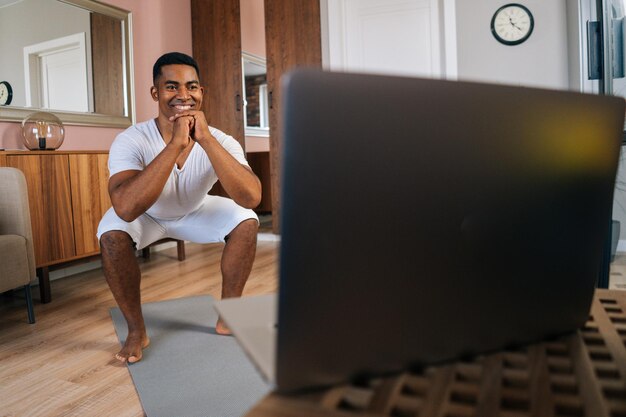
{"type": "Point", "coordinates": [512, 24]}
{"type": "Point", "coordinates": [6, 93]}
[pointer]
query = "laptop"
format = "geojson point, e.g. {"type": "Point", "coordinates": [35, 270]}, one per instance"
{"type": "Point", "coordinates": [426, 220]}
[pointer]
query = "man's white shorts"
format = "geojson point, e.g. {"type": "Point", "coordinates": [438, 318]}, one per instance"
{"type": "Point", "coordinates": [211, 222]}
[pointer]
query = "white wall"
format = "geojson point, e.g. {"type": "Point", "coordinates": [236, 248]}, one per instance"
{"type": "Point", "coordinates": [541, 61]}
{"type": "Point", "coordinates": [470, 52]}
{"type": "Point", "coordinates": [252, 15]}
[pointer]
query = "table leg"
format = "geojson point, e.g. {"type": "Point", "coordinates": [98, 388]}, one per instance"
{"type": "Point", "coordinates": [44, 284]}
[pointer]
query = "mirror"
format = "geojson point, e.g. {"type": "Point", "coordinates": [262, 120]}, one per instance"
{"type": "Point", "coordinates": [73, 59]}
{"type": "Point", "coordinates": [256, 104]}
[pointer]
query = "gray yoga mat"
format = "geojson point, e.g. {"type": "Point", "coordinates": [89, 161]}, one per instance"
{"type": "Point", "coordinates": [188, 370]}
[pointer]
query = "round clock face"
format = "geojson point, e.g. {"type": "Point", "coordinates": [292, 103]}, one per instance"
{"type": "Point", "coordinates": [6, 93]}
{"type": "Point", "coordinates": [512, 24]}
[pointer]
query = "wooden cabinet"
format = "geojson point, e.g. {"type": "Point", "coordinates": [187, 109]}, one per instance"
{"type": "Point", "coordinates": [50, 204]}
{"type": "Point", "coordinates": [67, 193]}
{"type": "Point", "coordinates": [89, 177]}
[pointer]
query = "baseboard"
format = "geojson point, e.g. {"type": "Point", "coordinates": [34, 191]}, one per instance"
{"type": "Point", "coordinates": [89, 266]}
{"type": "Point", "coordinates": [74, 269]}
{"type": "Point", "coordinates": [268, 237]}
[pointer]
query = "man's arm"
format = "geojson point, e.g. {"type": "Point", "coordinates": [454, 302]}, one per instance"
{"type": "Point", "coordinates": [241, 184]}
{"type": "Point", "coordinates": [134, 192]}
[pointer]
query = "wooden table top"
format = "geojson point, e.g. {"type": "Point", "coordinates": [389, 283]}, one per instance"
{"type": "Point", "coordinates": [582, 374]}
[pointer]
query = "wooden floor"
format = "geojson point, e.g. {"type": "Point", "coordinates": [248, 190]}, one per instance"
{"type": "Point", "coordinates": [62, 365]}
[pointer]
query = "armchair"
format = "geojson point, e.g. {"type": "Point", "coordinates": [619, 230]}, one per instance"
{"type": "Point", "coordinates": [17, 256]}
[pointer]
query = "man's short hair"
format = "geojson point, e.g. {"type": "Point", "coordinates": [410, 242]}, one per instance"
{"type": "Point", "coordinates": [172, 58]}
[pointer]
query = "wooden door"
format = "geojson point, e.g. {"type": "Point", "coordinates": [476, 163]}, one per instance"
{"type": "Point", "coordinates": [216, 40]}
{"type": "Point", "coordinates": [47, 178]}
{"type": "Point", "coordinates": [90, 198]}
{"type": "Point", "coordinates": [293, 38]}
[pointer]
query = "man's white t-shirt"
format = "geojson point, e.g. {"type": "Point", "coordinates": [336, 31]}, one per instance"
{"type": "Point", "coordinates": [185, 189]}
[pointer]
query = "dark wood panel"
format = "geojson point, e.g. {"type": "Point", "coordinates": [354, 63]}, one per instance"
{"type": "Point", "coordinates": [216, 39]}
{"type": "Point", "coordinates": [106, 56]}
{"type": "Point", "coordinates": [47, 178]}
{"type": "Point", "coordinates": [260, 164]}
{"type": "Point", "coordinates": [293, 38]}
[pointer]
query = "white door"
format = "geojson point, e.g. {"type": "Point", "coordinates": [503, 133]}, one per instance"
{"type": "Point", "coordinates": [64, 81]}
{"type": "Point", "coordinates": [56, 74]}
{"type": "Point", "coordinates": [384, 36]}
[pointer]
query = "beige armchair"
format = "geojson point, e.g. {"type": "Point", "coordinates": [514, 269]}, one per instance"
{"type": "Point", "coordinates": [17, 256]}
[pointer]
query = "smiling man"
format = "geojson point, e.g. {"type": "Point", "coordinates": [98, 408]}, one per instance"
{"type": "Point", "coordinates": [160, 173]}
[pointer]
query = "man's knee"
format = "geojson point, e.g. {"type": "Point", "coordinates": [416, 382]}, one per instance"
{"type": "Point", "coordinates": [250, 226]}
{"type": "Point", "coordinates": [247, 229]}
{"type": "Point", "coordinates": [115, 239]}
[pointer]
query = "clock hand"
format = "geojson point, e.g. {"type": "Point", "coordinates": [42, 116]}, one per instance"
{"type": "Point", "coordinates": [514, 25]}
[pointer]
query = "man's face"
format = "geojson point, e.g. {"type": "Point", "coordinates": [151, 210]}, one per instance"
{"type": "Point", "coordinates": [177, 89]}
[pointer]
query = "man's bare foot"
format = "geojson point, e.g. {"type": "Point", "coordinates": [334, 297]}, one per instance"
{"type": "Point", "coordinates": [221, 328]}
{"type": "Point", "coordinates": [133, 347]}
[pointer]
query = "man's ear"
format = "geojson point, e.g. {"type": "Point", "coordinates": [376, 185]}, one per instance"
{"type": "Point", "coordinates": [154, 92]}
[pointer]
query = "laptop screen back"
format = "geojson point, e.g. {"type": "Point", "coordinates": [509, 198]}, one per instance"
{"type": "Point", "coordinates": [423, 220]}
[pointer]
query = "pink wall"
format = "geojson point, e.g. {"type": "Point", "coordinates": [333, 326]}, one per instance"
{"type": "Point", "coordinates": [158, 26]}
{"type": "Point", "coordinates": [252, 16]}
